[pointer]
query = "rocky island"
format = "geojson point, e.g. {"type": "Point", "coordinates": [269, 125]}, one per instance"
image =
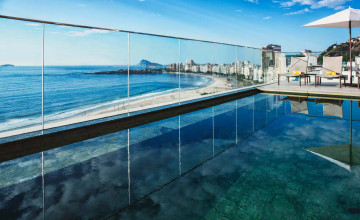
{"type": "Point", "coordinates": [143, 67]}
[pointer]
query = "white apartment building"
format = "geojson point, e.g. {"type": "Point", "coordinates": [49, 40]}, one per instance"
{"type": "Point", "coordinates": [195, 68]}
{"type": "Point", "coordinates": [216, 69]}
{"type": "Point", "coordinates": [204, 68]}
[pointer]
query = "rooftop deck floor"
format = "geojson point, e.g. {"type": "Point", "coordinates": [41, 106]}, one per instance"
{"type": "Point", "coordinates": [328, 89]}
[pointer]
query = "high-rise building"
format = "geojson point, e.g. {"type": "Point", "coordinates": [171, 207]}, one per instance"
{"type": "Point", "coordinates": [190, 63]}
{"type": "Point", "coordinates": [273, 47]}
{"type": "Point", "coordinates": [173, 67]}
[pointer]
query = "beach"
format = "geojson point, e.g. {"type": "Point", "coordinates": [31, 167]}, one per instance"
{"type": "Point", "coordinates": [218, 85]}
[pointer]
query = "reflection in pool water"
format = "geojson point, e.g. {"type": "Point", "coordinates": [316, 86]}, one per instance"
{"type": "Point", "coordinates": [262, 156]}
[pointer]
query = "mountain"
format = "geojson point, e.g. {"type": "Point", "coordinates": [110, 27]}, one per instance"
{"type": "Point", "coordinates": [5, 65]}
{"type": "Point", "coordinates": [342, 50]}
{"type": "Point", "coordinates": [148, 64]}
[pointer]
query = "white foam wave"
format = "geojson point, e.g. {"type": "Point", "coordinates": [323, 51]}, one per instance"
{"type": "Point", "coordinates": [12, 124]}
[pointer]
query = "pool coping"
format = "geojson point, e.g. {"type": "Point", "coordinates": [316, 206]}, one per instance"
{"type": "Point", "coordinates": [311, 94]}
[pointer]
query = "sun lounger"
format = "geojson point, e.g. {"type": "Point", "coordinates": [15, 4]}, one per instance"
{"type": "Point", "coordinates": [331, 107]}
{"type": "Point", "coordinates": [298, 64]}
{"type": "Point", "coordinates": [331, 65]}
{"type": "Point", "coordinates": [297, 104]}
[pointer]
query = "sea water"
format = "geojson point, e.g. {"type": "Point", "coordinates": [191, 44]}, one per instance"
{"type": "Point", "coordinates": [71, 91]}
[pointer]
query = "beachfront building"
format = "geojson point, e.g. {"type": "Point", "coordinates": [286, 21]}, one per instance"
{"type": "Point", "coordinates": [224, 69]}
{"type": "Point", "coordinates": [216, 68]}
{"type": "Point", "coordinates": [173, 67]}
{"type": "Point", "coordinates": [205, 68]}
{"type": "Point", "coordinates": [247, 70]}
{"type": "Point", "coordinates": [233, 68]}
{"type": "Point", "coordinates": [190, 62]}
{"type": "Point", "coordinates": [238, 67]}
{"type": "Point", "coordinates": [195, 68]}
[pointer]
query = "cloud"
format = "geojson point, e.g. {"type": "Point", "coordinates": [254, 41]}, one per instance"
{"type": "Point", "coordinates": [339, 7]}
{"type": "Point", "coordinates": [239, 10]}
{"type": "Point", "coordinates": [303, 11]}
{"type": "Point", "coordinates": [86, 32]}
{"type": "Point", "coordinates": [267, 18]}
{"type": "Point", "coordinates": [33, 24]}
{"type": "Point", "coordinates": [314, 4]}
{"type": "Point", "coordinates": [253, 1]}
{"type": "Point", "coordinates": [141, 0]}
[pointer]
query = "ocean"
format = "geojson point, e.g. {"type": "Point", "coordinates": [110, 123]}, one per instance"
{"type": "Point", "coordinates": [69, 91]}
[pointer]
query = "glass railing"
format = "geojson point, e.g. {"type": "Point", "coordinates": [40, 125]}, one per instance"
{"type": "Point", "coordinates": [96, 177]}
{"type": "Point", "coordinates": [54, 75]}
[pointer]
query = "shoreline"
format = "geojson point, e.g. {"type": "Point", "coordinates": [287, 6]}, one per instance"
{"type": "Point", "coordinates": [217, 85]}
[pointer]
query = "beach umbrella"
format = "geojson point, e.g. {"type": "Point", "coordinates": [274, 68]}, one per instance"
{"type": "Point", "coordinates": [349, 18]}
{"type": "Point", "coordinates": [344, 155]}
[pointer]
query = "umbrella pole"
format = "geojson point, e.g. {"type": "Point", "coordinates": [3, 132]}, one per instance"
{"type": "Point", "coordinates": [351, 102]}
{"type": "Point", "coordinates": [350, 53]}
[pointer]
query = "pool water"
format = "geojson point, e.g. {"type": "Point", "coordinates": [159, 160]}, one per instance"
{"type": "Point", "coordinates": [264, 156]}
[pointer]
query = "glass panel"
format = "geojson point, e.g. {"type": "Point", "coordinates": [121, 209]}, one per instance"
{"type": "Point", "coordinates": [225, 126]}
{"type": "Point", "coordinates": [154, 80]}
{"type": "Point", "coordinates": [279, 66]}
{"type": "Point", "coordinates": [271, 108]}
{"type": "Point", "coordinates": [196, 70]}
{"type": "Point", "coordinates": [256, 59]}
{"type": "Point", "coordinates": [268, 65]}
{"type": "Point", "coordinates": [85, 74]}
{"type": "Point", "coordinates": [248, 67]}
{"type": "Point", "coordinates": [224, 68]}
{"type": "Point", "coordinates": [88, 179]}
{"type": "Point", "coordinates": [196, 147]}
{"type": "Point", "coordinates": [260, 108]}
{"type": "Point", "coordinates": [21, 192]}
{"type": "Point", "coordinates": [281, 106]}
{"type": "Point", "coordinates": [20, 77]}
{"type": "Point", "coordinates": [194, 195]}
{"type": "Point", "coordinates": [245, 117]}
{"type": "Point", "coordinates": [154, 156]}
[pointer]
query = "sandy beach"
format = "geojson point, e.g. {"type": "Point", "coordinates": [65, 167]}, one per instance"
{"type": "Point", "coordinates": [218, 85]}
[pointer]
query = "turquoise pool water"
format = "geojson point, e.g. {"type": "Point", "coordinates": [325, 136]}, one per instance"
{"type": "Point", "coordinates": [263, 157]}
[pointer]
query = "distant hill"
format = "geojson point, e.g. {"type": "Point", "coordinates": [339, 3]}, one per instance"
{"type": "Point", "coordinates": [341, 50]}
{"type": "Point", "coordinates": [148, 64]}
{"type": "Point", "coordinates": [5, 65]}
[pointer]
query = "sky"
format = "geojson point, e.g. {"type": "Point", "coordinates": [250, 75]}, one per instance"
{"type": "Point", "coordinates": [253, 23]}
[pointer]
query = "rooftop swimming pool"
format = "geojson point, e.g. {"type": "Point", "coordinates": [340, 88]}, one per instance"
{"type": "Point", "coordinates": [263, 156]}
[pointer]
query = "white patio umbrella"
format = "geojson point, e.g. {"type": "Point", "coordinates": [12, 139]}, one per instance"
{"type": "Point", "coordinates": [349, 18]}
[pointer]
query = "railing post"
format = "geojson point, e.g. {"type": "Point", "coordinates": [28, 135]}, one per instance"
{"type": "Point", "coordinates": [42, 80]}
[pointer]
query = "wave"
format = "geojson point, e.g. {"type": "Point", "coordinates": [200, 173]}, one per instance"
{"type": "Point", "coordinates": [27, 122]}
{"type": "Point", "coordinates": [203, 82]}
{"type": "Point", "coordinates": [17, 123]}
